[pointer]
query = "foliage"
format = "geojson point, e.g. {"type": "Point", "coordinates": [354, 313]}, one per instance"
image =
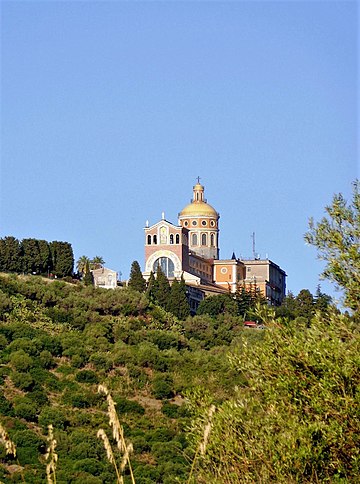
{"type": "Point", "coordinates": [136, 279]}
{"type": "Point", "coordinates": [337, 239]}
{"type": "Point", "coordinates": [296, 419]}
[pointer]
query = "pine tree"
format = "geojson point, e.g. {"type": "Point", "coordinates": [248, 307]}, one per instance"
{"type": "Point", "coordinates": [10, 255]}
{"type": "Point", "coordinates": [136, 280]}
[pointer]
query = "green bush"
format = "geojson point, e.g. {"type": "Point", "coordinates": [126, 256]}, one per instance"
{"type": "Point", "coordinates": [28, 446]}
{"type": "Point", "coordinates": [26, 410]}
{"type": "Point", "coordinates": [128, 406]}
{"type": "Point", "coordinates": [162, 386]}
{"type": "Point", "coordinates": [21, 361]}
{"type": "Point", "coordinates": [86, 376]}
{"type": "Point", "coordinates": [54, 416]}
{"type": "Point", "coordinates": [23, 381]}
{"type": "Point", "coordinates": [46, 359]}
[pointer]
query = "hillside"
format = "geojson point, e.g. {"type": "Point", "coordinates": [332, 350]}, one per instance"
{"type": "Point", "coordinates": [60, 341]}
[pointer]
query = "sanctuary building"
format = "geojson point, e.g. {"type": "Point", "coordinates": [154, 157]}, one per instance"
{"type": "Point", "coordinates": [191, 250]}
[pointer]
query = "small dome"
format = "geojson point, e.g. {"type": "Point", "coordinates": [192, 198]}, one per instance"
{"type": "Point", "coordinates": [198, 208]}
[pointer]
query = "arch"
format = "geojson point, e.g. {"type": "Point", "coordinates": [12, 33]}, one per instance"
{"type": "Point", "coordinates": [177, 238]}
{"type": "Point", "coordinates": [155, 239]}
{"type": "Point", "coordinates": [166, 265]}
{"type": "Point", "coordinates": [149, 239]}
{"type": "Point", "coordinates": [171, 238]}
{"type": "Point", "coordinates": [212, 240]}
{"type": "Point", "coordinates": [203, 239]}
{"type": "Point", "coordinates": [194, 239]}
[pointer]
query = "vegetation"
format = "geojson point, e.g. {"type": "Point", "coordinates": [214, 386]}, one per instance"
{"type": "Point", "coordinates": [32, 256]}
{"type": "Point", "coordinates": [337, 238]}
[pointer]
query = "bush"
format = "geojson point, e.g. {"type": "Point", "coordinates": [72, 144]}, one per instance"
{"type": "Point", "coordinates": [86, 376]}
{"type": "Point", "coordinates": [28, 446]}
{"type": "Point", "coordinates": [163, 386]}
{"type": "Point", "coordinates": [23, 381]}
{"type": "Point", "coordinates": [54, 416]}
{"type": "Point", "coordinates": [46, 359]}
{"type": "Point", "coordinates": [26, 410]}
{"type": "Point", "coordinates": [21, 361]}
{"type": "Point", "coordinates": [128, 406]}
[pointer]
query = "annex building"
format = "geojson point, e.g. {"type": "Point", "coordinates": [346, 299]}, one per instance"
{"type": "Point", "coordinates": [191, 249]}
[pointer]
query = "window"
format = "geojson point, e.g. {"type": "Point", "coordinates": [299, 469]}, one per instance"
{"type": "Point", "coordinates": [194, 239]}
{"type": "Point", "coordinates": [212, 223]}
{"type": "Point", "coordinates": [154, 239]}
{"type": "Point", "coordinates": [186, 223]}
{"type": "Point", "coordinates": [177, 238]}
{"type": "Point", "coordinates": [194, 222]}
{"type": "Point", "coordinates": [171, 239]}
{"type": "Point", "coordinates": [212, 240]}
{"type": "Point", "coordinates": [203, 222]}
{"type": "Point", "coordinates": [166, 265]}
{"type": "Point", "coordinates": [149, 239]}
{"type": "Point", "coordinates": [203, 239]}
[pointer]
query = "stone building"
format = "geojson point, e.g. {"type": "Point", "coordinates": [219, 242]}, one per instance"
{"type": "Point", "coordinates": [191, 250]}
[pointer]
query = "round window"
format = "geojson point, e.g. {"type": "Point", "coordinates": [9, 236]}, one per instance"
{"type": "Point", "coordinates": [194, 222]}
{"type": "Point", "coordinates": [223, 270]}
{"type": "Point", "coordinates": [203, 222]}
{"type": "Point", "coordinates": [186, 223]}
{"type": "Point", "coordinates": [212, 223]}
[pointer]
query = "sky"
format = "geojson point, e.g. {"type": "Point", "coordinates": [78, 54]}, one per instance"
{"type": "Point", "coordinates": [111, 109]}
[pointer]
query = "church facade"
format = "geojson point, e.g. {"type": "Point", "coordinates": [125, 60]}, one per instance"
{"type": "Point", "coordinates": [191, 250]}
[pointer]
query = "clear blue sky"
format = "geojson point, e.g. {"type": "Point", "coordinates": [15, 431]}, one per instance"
{"type": "Point", "coordinates": [110, 110]}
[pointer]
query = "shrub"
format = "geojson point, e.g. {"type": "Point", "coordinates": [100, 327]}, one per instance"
{"type": "Point", "coordinates": [21, 361]}
{"type": "Point", "coordinates": [163, 386]}
{"type": "Point", "coordinates": [53, 415]}
{"type": "Point", "coordinates": [28, 446]}
{"type": "Point", "coordinates": [86, 376]}
{"type": "Point", "coordinates": [46, 359]}
{"type": "Point", "coordinates": [92, 466]}
{"type": "Point", "coordinates": [128, 406]}
{"type": "Point", "coordinates": [26, 410]}
{"type": "Point", "coordinates": [23, 381]}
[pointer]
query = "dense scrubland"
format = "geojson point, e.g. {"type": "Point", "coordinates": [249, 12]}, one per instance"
{"type": "Point", "coordinates": [200, 399]}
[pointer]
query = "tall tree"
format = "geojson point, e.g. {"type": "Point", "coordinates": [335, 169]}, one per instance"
{"type": "Point", "coordinates": [88, 276]}
{"type": "Point", "coordinates": [31, 260]}
{"type": "Point", "coordinates": [178, 303]}
{"type": "Point", "coordinates": [163, 288]}
{"type": "Point", "coordinates": [45, 257]}
{"type": "Point", "coordinates": [337, 239]}
{"type": "Point", "coordinates": [81, 263]}
{"type": "Point", "coordinates": [136, 279]}
{"type": "Point", "coordinates": [152, 287]}
{"type": "Point", "coordinates": [10, 255]}
{"type": "Point", "coordinates": [97, 262]}
{"type": "Point", "coordinates": [63, 258]}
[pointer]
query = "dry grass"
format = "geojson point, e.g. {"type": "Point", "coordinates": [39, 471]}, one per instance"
{"type": "Point", "coordinates": [10, 447]}
{"type": "Point", "coordinates": [118, 435]}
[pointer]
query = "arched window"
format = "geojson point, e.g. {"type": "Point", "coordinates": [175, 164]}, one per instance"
{"type": "Point", "coordinates": [177, 238]}
{"type": "Point", "coordinates": [149, 239]}
{"type": "Point", "coordinates": [171, 239]}
{"type": "Point", "coordinates": [212, 240]}
{"type": "Point", "coordinates": [155, 239]}
{"type": "Point", "coordinates": [203, 239]}
{"type": "Point", "coordinates": [194, 239]}
{"type": "Point", "coordinates": [166, 265]}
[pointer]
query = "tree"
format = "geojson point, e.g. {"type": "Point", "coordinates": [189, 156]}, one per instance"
{"type": "Point", "coordinates": [305, 304]}
{"type": "Point", "coordinates": [63, 258]}
{"type": "Point", "coordinates": [152, 287]}
{"type": "Point", "coordinates": [221, 304]}
{"type": "Point", "coordinates": [31, 261]}
{"type": "Point", "coordinates": [337, 239]}
{"type": "Point", "coordinates": [10, 255]}
{"type": "Point", "coordinates": [81, 263]}
{"type": "Point", "coordinates": [163, 288]}
{"type": "Point", "coordinates": [178, 303]}
{"type": "Point", "coordinates": [136, 280]}
{"type": "Point", "coordinates": [45, 257]}
{"type": "Point", "coordinates": [97, 262]}
{"type": "Point", "coordinates": [88, 276]}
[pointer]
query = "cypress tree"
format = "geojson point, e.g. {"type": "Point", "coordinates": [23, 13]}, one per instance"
{"type": "Point", "coordinates": [162, 293]}
{"type": "Point", "coordinates": [63, 258]}
{"type": "Point", "coordinates": [31, 261]}
{"type": "Point", "coordinates": [136, 280]}
{"type": "Point", "coordinates": [178, 303]}
{"type": "Point", "coordinates": [88, 276]}
{"type": "Point", "coordinates": [10, 255]}
{"type": "Point", "coordinates": [152, 287]}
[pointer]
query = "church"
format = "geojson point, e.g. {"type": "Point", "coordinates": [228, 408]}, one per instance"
{"type": "Point", "coordinates": [191, 249]}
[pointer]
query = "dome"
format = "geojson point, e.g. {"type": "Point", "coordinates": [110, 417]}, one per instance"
{"type": "Point", "coordinates": [198, 208]}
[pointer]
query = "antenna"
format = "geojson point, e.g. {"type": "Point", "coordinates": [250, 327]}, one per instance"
{"type": "Point", "coordinates": [253, 244]}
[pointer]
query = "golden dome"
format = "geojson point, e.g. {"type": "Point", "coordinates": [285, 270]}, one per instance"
{"type": "Point", "coordinates": [198, 208]}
